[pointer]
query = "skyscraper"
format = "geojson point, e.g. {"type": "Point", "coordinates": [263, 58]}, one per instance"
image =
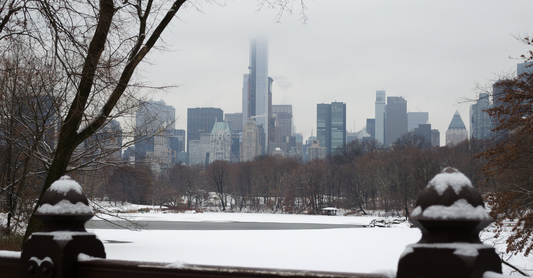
{"type": "Point", "coordinates": [234, 121]}
{"type": "Point", "coordinates": [150, 118]}
{"type": "Point", "coordinates": [331, 125]}
{"type": "Point", "coordinates": [282, 116]}
{"type": "Point", "coordinates": [200, 121]}
{"type": "Point", "coordinates": [177, 141]}
{"type": "Point", "coordinates": [416, 118]}
{"type": "Point", "coordinates": [424, 130]}
{"type": "Point", "coordinates": [395, 119]}
{"type": "Point", "coordinates": [220, 147]}
{"type": "Point", "coordinates": [380, 116]}
{"type": "Point", "coordinates": [456, 132]}
{"type": "Point", "coordinates": [250, 146]}
{"type": "Point", "coordinates": [371, 128]}
{"type": "Point", "coordinates": [480, 122]}
{"type": "Point", "coordinates": [256, 89]}
{"type": "Point", "coordinates": [524, 68]}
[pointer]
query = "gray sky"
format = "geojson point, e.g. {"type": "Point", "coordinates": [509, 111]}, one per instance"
{"type": "Point", "coordinates": [433, 53]}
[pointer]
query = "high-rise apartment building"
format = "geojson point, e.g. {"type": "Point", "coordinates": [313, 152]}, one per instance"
{"type": "Point", "coordinates": [151, 117]}
{"type": "Point", "coordinates": [251, 145]}
{"type": "Point", "coordinates": [435, 138]}
{"type": "Point", "coordinates": [199, 150]}
{"type": "Point", "coordinates": [480, 122]}
{"type": "Point", "coordinates": [395, 119]}
{"type": "Point", "coordinates": [456, 132]}
{"type": "Point", "coordinates": [315, 151]}
{"type": "Point", "coordinates": [371, 128]}
{"type": "Point", "coordinates": [331, 125]}
{"type": "Point", "coordinates": [234, 121]}
{"type": "Point", "coordinates": [220, 148]}
{"type": "Point", "coordinates": [200, 121]}
{"type": "Point", "coordinates": [177, 140]}
{"type": "Point", "coordinates": [416, 118]}
{"type": "Point", "coordinates": [524, 68]}
{"type": "Point", "coordinates": [380, 116]}
{"type": "Point", "coordinates": [257, 90]}
{"type": "Point", "coordinates": [425, 131]}
{"type": "Point", "coordinates": [282, 116]}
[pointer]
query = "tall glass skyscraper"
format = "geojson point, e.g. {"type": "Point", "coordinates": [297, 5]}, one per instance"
{"type": "Point", "coordinates": [395, 119]}
{"type": "Point", "coordinates": [480, 122]}
{"type": "Point", "coordinates": [256, 89]}
{"type": "Point", "coordinates": [331, 125]}
{"type": "Point", "coordinates": [201, 121]}
{"type": "Point", "coordinates": [380, 116]}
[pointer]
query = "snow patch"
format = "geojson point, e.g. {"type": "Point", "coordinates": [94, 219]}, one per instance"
{"type": "Point", "coordinates": [64, 235]}
{"type": "Point", "coordinates": [86, 258]}
{"type": "Point", "coordinates": [407, 251]}
{"type": "Point", "coordinates": [176, 264]}
{"type": "Point", "coordinates": [64, 185]}
{"type": "Point", "coordinates": [466, 251]}
{"type": "Point", "coordinates": [461, 209]}
{"type": "Point", "coordinates": [455, 180]}
{"type": "Point", "coordinates": [10, 254]}
{"type": "Point", "coordinates": [490, 274]}
{"type": "Point", "coordinates": [65, 207]}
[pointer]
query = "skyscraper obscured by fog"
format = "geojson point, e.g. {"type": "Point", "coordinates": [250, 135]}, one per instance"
{"type": "Point", "coordinates": [256, 89]}
{"type": "Point", "coordinates": [380, 116]}
{"type": "Point", "coordinates": [395, 119]}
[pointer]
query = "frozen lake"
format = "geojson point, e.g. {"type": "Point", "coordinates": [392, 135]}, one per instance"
{"type": "Point", "coordinates": [322, 243]}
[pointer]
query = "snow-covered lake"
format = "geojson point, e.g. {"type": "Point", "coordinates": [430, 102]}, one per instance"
{"type": "Point", "coordinates": [363, 250]}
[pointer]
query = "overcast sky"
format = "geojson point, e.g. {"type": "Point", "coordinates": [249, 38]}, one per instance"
{"type": "Point", "coordinates": [433, 53]}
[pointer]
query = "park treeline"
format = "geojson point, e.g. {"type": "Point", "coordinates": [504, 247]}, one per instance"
{"type": "Point", "coordinates": [361, 177]}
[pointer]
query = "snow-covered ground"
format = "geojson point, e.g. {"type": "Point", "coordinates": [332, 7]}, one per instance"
{"type": "Point", "coordinates": [363, 250]}
{"type": "Point", "coordinates": [366, 250]}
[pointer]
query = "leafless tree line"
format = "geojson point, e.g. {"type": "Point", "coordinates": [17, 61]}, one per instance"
{"type": "Point", "coordinates": [361, 178]}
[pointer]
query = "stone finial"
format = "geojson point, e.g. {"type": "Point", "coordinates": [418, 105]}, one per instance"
{"type": "Point", "coordinates": [64, 207]}
{"type": "Point", "coordinates": [450, 213]}
{"type": "Point", "coordinates": [54, 251]}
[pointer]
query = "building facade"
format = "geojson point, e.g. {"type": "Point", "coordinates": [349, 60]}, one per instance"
{"type": "Point", "coordinates": [200, 121]}
{"type": "Point", "coordinates": [152, 117]}
{"type": "Point", "coordinates": [456, 132]}
{"type": "Point", "coordinates": [220, 143]}
{"type": "Point", "coordinates": [315, 151]}
{"type": "Point", "coordinates": [251, 145]}
{"type": "Point", "coordinates": [257, 90]}
{"type": "Point", "coordinates": [435, 138]}
{"type": "Point", "coordinates": [331, 125]}
{"type": "Point", "coordinates": [480, 122]}
{"type": "Point", "coordinates": [234, 121]}
{"type": "Point", "coordinates": [395, 119]}
{"type": "Point", "coordinates": [416, 118]}
{"type": "Point", "coordinates": [380, 116]}
{"type": "Point", "coordinates": [199, 149]}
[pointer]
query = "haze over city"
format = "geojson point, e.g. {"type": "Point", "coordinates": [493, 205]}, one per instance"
{"type": "Point", "coordinates": [432, 54]}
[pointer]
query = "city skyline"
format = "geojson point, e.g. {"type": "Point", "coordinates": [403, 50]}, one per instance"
{"type": "Point", "coordinates": [431, 54]}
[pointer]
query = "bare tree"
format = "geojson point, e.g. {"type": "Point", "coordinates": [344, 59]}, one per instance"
{"type": "Point", "coordinates": [98, 45]}
{"type": "Point", "coordinates": [218, 176]}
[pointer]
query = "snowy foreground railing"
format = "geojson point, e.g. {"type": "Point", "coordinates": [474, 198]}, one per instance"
{"type": "Point", "coordinates": [450, 212]}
